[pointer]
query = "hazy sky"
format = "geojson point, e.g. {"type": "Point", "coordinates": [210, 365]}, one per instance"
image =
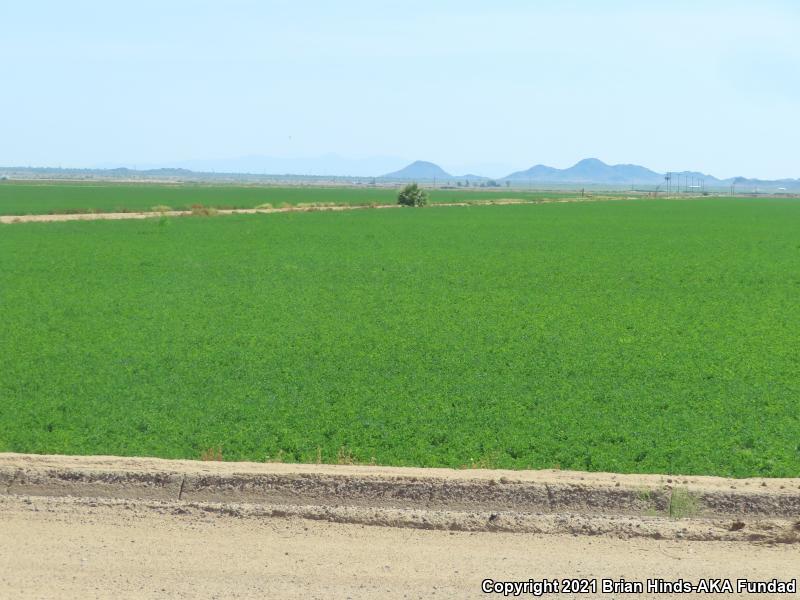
{"type": "Point", "coordinates": [495, 85]}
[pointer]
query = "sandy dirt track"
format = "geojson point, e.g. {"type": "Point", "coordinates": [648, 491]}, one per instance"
{"type": "Point", "coordinates": [75, 549]}
{"type": "Point", "coordinates": [111, 216]}
{"type": "Point", "coordinates": [102, 527]}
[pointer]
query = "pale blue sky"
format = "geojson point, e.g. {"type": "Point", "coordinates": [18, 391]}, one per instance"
{"type": "Point", "coordinates": [492, 86]}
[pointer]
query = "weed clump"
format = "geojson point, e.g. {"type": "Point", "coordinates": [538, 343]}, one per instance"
{"type": "Point", "coordinates": [345, 456]}
{"type": "Point", "coordinates": [203, 211]}
{"type": "Point", "coordinates": [683, 503]}
{"type": "Point", "coordinates": [212, 454]}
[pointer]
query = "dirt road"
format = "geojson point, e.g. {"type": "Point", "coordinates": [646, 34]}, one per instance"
{"type": "Point", "coordinates": [103, 527]}
{"type": "Point", "coordinates": [58, 548]}
{"type": "Point", "coordinates": [116, 216]}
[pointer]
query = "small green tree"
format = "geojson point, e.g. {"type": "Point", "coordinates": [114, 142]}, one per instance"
{"type": "Point", "coordinates": [412, 195]}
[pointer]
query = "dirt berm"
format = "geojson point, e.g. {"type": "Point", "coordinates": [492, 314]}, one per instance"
{"type": "Point", "coordinates": [656, 506]}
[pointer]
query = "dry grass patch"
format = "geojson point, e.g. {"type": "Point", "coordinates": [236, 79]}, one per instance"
{"type": "Point", "coordinates": [203, 211]}
{"type": "Point", "coordinates": [212, 454]}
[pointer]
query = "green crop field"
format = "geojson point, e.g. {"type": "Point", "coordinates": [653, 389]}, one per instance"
{"type": "Point", "coordinates": [53, 198]}
{"type": "Point", "coordinates": [630, 336]}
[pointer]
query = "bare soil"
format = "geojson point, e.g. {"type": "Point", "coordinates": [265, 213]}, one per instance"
{"type": "Point", "coordinates": [109, 216]}
{"type": "Point", "coordinates": [70, 548]}
{"type": "Point", "coordinates": [81, 527]}
{"type": "Point", "coordinates": [552, 502]}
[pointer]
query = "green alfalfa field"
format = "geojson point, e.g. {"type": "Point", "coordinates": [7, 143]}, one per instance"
{"type": "Point", "coordinates": [45, 197]}
{"type": "Point", "coordinates": [631, 336]}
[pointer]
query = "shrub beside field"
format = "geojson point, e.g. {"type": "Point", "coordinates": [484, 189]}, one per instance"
{"type": "Point", "coordinates": [624, 336]}
{"type": "Point", "coordinates": [412, 195]}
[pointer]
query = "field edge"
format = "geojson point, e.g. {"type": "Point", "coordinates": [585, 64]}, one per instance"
{"type": "Point", "coordinates": [547, 502]}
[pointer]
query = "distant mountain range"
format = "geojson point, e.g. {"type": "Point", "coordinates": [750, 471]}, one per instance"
{"type": "Point", "coordinates": [317, 166]}
{"type": "Point", "coordinates": [590, 171]}
{"type": "Point", "coordinates": [587, 172]}
{"type": "Point", "coordinates": [428, 171]}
